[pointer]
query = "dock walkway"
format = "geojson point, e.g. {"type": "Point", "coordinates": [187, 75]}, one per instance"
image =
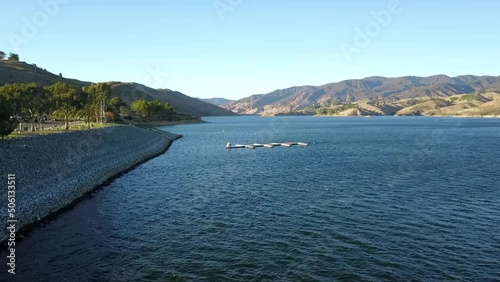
{"type": "Point", "coordinates": [269, 145]}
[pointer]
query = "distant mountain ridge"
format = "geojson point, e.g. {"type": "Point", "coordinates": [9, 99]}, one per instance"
{"type": "Point", "coordinates": [217, 101]}
{"type": "Point", "coordinates": [370, 89]}
{"type": "Point", "coordinates": [21, 72]}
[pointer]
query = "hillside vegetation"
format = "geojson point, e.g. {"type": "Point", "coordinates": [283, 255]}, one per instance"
{"type": "Point", "coordinates": [483, 104]}
{"type": "Point", "coordinates": [21, 72]}
{"type": "Point", "coordinates": [13, 71]}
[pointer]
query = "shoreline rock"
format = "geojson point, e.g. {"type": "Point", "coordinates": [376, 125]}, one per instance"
{"type": "Point", "coordinates": [56, 171]}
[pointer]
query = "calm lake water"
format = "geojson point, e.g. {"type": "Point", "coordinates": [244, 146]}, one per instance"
{"type": "Point", "coordinates": [383, 198]}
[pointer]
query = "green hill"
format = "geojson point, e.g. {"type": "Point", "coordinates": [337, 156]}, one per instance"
{"type": "Point", "coordinates": [22, 72]}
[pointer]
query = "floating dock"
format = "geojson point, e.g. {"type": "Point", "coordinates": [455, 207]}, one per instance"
{"type": "Point", "coordinates": [269, 145]}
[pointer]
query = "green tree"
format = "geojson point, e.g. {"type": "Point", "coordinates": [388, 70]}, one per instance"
{"type": "Point", "coordinates": [33, 101]}
{"type": "Point", "coordinates": [8, 122]}
{"type": "Point", "coordinates": [154, 109]}
{"type": "Point", "coordinates": [27, 99]}
{"type": "Point", "coordinates": [88, 109]}
{"type": "Point", "coordinates": [13, 57]}
{"type": "Point", "coordinates": [139, 107]}
{"type": "Point", "coordinates": [98, 95]}
{"type": "Point", "coordinates": [68, 100]}
{"type": "Point", "coordinates": [322, 111]}
{"type": "Point", "coordinates": [125, 110]}
{"type": "Point", "coordinates": [2, 55]}
{"type": "Point", "coordinates": [14, 93]}
{"type": "Point", "coordinates": [167, 111]}
{"type": "Point", "coordinates": [115, 104]}
{"type": "Point", "coordinates": [168, 108]}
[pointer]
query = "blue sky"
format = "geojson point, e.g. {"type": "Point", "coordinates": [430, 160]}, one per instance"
{"type": "Point", "coordinates": [236, 48]}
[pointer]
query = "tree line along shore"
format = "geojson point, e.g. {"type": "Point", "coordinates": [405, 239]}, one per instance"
{"type": "Point", "coordinates": [33, 105]}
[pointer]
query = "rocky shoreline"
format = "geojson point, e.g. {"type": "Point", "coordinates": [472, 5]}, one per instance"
{"type": "Point", "coordinates": [53, 171]}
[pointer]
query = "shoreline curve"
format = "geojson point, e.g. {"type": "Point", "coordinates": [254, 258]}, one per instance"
{"type": "Point", "coordinates": [55, 172]}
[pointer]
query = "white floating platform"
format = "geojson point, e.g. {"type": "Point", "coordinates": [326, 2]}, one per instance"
{"type": "Point", "coordinates": [269, 145]}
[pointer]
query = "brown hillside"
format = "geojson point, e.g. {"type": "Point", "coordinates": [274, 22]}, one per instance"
{"type": "Point", "coordinates": [388, 91]}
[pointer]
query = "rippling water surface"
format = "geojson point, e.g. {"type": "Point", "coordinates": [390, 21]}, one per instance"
{"type": "Point", "coordinates": [380, 198]}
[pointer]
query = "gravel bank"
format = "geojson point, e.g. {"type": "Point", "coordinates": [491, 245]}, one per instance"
{"type": "Point", "coordinates": [52, 171]}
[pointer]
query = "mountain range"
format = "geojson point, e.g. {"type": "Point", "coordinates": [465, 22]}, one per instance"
{"type": "Point", "coordinates": [466, 95]}
{"type": "Point", "coordinates": [388, 93]}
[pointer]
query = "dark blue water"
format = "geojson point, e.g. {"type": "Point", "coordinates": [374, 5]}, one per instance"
{"type": "Point", "coordinates": [381, 198]}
